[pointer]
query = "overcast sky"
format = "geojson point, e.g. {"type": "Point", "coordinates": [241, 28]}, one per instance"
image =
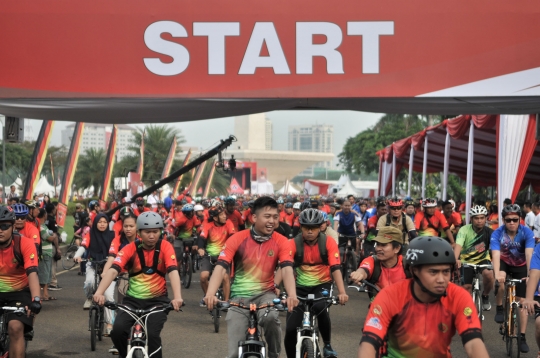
{"type": "Point", "coordinates": [197, 133]}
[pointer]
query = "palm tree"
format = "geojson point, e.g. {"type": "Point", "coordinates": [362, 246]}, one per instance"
{"type": "Point", "coordinates": [90, 169]}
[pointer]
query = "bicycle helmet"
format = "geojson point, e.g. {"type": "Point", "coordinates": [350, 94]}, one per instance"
{"type": "Point", "coordinates": [149, 220]}
{"type": "Point", "coordinates": [92, 204]}
{"type": "Point", "coordinates": [215, 211]}
{"type": "Point", "coordinates": [429, 203]}
{"type": "Point", "coordinates": [215, 202]}
{"type": "Point", "coordinates": [126, 211]}
{"type": "Point", "coordinates": [280, 201]}
{"type": "Point", "coordinates": [511, 209]}
{"type": "Point", "coordinates": [245, 204]}
{"type": "Point", "coordinates": [478, 210]}
{"type": "Point", "coordinates": [453, 204]}
{"type": "Point", "coordinates": [297, 205]}
{"type": "Point", "coordinates": [289, 205]}
{"type": "Point", "coordinates": [325, 215]}
{"type": "Point", "coordinates": [229, 201]}
{"type": "Point", "coordinates": [187, 208]}
{"type": "Point", "coordinates": [205, 203]}
{"type": "Point", "coordinates": [7, 214]}
{"type": "Point", "coordinates": [32, 204]}
{"type": "Point", "coordinates": [20, 209]}
{"type": "Point", "coordinates": [311, 217]}
{"type": "Point", "coordinates": [251, 203]}
{"type": "Point", "coordinates": [395, 201]}
{"type": "Point", "coordinates": [198, 207]}
{"type": "Point", "coordinates": [305, 205]}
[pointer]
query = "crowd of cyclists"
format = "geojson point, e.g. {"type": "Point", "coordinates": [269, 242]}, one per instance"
{"type": "Point", "coordinates": [416, 252]}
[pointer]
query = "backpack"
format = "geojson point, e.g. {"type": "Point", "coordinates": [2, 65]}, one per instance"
{"type": "Point", "coordinates": [299, 255]}
{"type": "Point", "coordinates": [146, 269]}
{"type": "Point", "coordinates": [403, 221]}
{"type": "Point", "coordinates": [17, 253]}
{"type": "Point", "coordinates": [377, 271]}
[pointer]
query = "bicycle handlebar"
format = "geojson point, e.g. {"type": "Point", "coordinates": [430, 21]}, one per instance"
{"type": "Point", "coordinates": [489, 266]}
{"type": "Point", "coordinates": [139, 312]}
{"type": "Point", "coordinates": [332, 299]}
{"type": "Point", "coordinates": [363, 289]}
{"type": "Point", "coordinates": [250, 307]}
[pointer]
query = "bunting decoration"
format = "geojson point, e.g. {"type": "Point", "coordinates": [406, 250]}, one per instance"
{"type": "Point", "coordinates": [170, 159]}
{"type": "Point", "coordinates": [38, 158]}
{"type": "Point", "coordinates": [195, 181]}
{"type": "Point", "coordinates": [209, 181]}
{"type": "Point", "coordinates": [71, 163]}
{"type": "Point", "coordinates": [177, 183]}
{"type": "Point", "coordinates": [140, 167]}
{"type": "Point", "coordinates": [109, 165]}
{"type": "Point", "coordinates": [52, 174]}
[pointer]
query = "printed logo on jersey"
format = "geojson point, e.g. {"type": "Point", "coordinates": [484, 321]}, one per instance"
{"type": "Point", "coordinates": [173, 257]}
{"type": "Point", "coordinates": [377, 310]}
{"type": "Point", "coordinates": [14, 260]}
{"type": "Point", "coordinates": [375, 323]}
{"type": "Point", "coordinates": [118, 259]}
{"type": "Point", "coordinates": [336, 255]}
{"type": "Point", "coordinates": [121, 253]}
{"type": "Point", "coordinates": [31, 256]}
{"type": "Point", "coordinates": [271, 253]}
{"type": "Point", "coordinates": [467, 311]}
{"type": "Point", "coordinates": [442, 327]}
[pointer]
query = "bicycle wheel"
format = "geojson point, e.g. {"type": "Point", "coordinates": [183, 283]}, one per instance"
{"type": "Point", "coordinates": [138, 354]}
{"type": "Point", "coordinates": [194, 266]}
{"type": "Point", "coordinates": [477, 298]}
{"type": "Point", "coordinates": [351, 266]}
{"type": "Point", "coordinates": [215, 317]}
{"type": "Point", "coordinates": [516, 351]}
{"type": "Point", "coordinates": [307, 350]}
{"type": "Point", "coordinates": [67, 258]}
{"type": "Point", "coordinates": [101, 317]}
{"type": "Point", "coordinates": [93, 328]}
{"type": "Point", "coordinates": [186, 271]}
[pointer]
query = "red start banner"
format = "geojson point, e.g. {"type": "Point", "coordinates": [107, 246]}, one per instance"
{"type": "Point", "coordinates": [269, 49]}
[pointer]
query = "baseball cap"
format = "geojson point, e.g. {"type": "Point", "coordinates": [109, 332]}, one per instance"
{"type": "Point", "coordinates": [388, 234]}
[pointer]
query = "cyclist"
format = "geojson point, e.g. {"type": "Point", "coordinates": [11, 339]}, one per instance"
{"type": "Point", "coordinates": [418, 317]}
{"type": "Point", "coordinates": [410, 209]}
{"type": "Point", "coordinates": [531, 303]}
{"type": "Point", "coordinates": [234, 215]}
{"type": "Point", "coordinates": [369, 245]}
{"type": "Point", "coordinates": [92, 210]}
{"type": "Point", "coordinates": [255, 254]}
{"type": "Point", "coordinates": [185, 222]}
{"type": "Point", "coordinates": [452, 218]}
{"type": "Point", "coordinates": [25, 224]}
{"type": "Point", "coordinates": [512, 246]}
{"type": "Point", "coordinates": [214, 234]}
{"type": "Point", "coordinates": [386, 266]}
{"type": "Point", "coordinates": [397, 218]}
{"type": "Point", "coordinates": [297, 209]}
{"type": "Point", "coordinates": [122, 213]}
{"type": "Point", "coordinates": [472, 246]}
{"type": "Point", "coordinates": [346, 223]}
{"type": "Point", "coordinates": [19, 283]}
{"type": "Point", "coordinates": [281, 205]}
{"type": "Point", "coordinates": [327, 229]}
{"type": "Point", "coordinates": [314, 273]}
{"type": "Point", "coordinates": [161, 210]}
{"type": "Point", "coordinates": [140, 208]}
{"type": "Point", "coordinates": [430, 221]}
{"type": "Point", "coordinates": [147, 285]}
{"type": "Point", "coordinates": [287, 215]}
{"type": "Point", "coordinates": [248, 215]}
{"type": "Point", "coordinates": [200, 213]}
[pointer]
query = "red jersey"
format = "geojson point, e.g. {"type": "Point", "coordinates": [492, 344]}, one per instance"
{"type": "Point", "coordinates": [254, 262]}
{"type": "Point", "coordinates": [296, 221]}
{"type": "Point", "coordinates": [247, 216]}
{"type": "Point", "coordinates": [216, 236]}
{"type": "Point", "coordinates": [184, 225]}
{"type": "Point", "coordinates": [13, 277]}
{"type": "Point", "coordinates": [313, 272]}
{"type": "Point", "coordinates": [143, 286]}
{"type": "Point", "coordinates": [92, 215]}
{"type": "Point", "coordinates": [32, 232]}
{"type": "Point", "coordinates": [118, 227]}
{"type": "Point", "coordinates": [430, 227]}
{"type": "Point", "coordinates": [326, 209]}
{"type": "Point", "coordinates": [235, 218]}
{"type": "Point", "coordinates": [286, 218]}
{"type": "Point", "coordinates": [118, 243]}
{"type": "Point", "coordinates": [389, 275]}
{"type": "Point", "coordinates": [417, 329]}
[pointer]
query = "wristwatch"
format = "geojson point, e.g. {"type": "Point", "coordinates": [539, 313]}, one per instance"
{"type": "Point", "coordinates": [37, 299]}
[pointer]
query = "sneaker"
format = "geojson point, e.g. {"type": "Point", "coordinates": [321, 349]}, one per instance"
{"type": "Point", "coordinates": [87, 304]}
{"type": "Point", "coordinates": [113, 350]}
{"type": "Point", "coordinates": [524, 348]}
{"type": "Point", "coordinates": [202, 304]}
{"type": "Point", "coordinates": [499, 316]}
{"type": "Point", "coordinates": [55, 288]}
{"type": "Point", "coordinates": [329, 352]}
{"type": "Point", "coordinates": [486, 305]}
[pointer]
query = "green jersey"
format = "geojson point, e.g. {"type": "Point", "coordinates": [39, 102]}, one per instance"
{"type": "Point", "coordinates": [474, 245]}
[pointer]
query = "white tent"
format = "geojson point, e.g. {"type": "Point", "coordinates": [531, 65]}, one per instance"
{"type": "Point", "coordinates": [347, 189]}
{"type": "Point", "coordinates": [288, 189]}
{"type": "Point", "coordinates": [43, 187]}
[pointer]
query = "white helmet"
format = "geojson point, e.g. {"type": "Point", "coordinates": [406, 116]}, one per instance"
{"type": "Point", "coordinates": [198, 207]}
{"type": "Point", "coordinates": [297, 205]}
{"type": "Point", "coordinates": [478, 210]}
{"type": "Point", "coordinates": [453, 204]}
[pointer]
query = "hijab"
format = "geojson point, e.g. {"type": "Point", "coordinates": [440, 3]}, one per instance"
{"type": "Point", "coordinates": [100, 241]}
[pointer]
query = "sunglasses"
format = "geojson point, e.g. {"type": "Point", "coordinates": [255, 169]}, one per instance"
{"type": "Point", "coordinates": [20, 217]}
{"type": "Point", "coordinates": [311, 228]}
{"type": "Point", "coordinates": [511, 220]}
{"type": "Point", "coordinates": [5, 227]}
{"type": "Point", "coordinates": [395, 208]}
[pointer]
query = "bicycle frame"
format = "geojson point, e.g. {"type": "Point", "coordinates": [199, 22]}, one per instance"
{"type": "Point", "coordinates": [476, 282]}
{"type": "Point", "coordinates": [309, 330]}
{"type": "Point", "coordinates": [4, 349]}
{"type": "Point", "coordinates": [510, 298]}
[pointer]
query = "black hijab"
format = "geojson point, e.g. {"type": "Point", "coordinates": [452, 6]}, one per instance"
{"type": "Point", "coordinates": [100, 241]}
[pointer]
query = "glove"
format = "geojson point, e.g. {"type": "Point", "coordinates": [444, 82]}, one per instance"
{"type": "Point", "coordinates": [35, 307]}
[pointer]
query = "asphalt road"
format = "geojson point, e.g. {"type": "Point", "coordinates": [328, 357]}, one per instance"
{"type": "Point", "coordinates": [62, 327]}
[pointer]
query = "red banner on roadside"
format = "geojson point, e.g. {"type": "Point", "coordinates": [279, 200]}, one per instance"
{"type": "Point", "coordinates": [61, 214]}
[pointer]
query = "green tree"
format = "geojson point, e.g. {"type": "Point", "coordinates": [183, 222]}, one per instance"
{"type": "Point", "coordinates": [358, 155]}
{"type": "Point", "coordinates": [90, 168]}
{"type": "Point", "coordinates": [59, 158]}
{"type": "Point", "coordinates": [18, 157]}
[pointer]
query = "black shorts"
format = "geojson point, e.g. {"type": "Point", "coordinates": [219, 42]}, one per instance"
{"type": "Point", "coordinates": [209, 263]}
{"type": "Point", "coordinates": [468, 272]}
{"type": "Point", "coordinates": [18, 299]}
{"type": "Point", "coordinates": [536, 308]}
{"type": "Point", "coordinates": [517, 272]}
{"type": "Point", "coordinates": [343, 240]}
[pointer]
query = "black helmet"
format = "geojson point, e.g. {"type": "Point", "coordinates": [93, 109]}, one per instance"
{"type": "Point", "coordinates": [305, 205]}
{"type": "Point", "coordinates": [511, 209]}
{"type": "Point", "coordinates": [312, 217]}
{"type": "Point", "coordinates": [7, 214]}
{"type": "Point", "coordinates": [429, 250]}
{"type": "Point", "coordinates": [229, 201]}
{"type": "Point", "coordinates": [314, 203]}
{"type": "Point", "coordinates": [215, 211]}
{"type": "Point", "coordinates": [139, 201]}
{"type": "Point", "coordinates": [289, 205]}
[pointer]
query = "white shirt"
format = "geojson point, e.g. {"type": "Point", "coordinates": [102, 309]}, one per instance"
{"type": "Point", "coordinates": [152, 199]}
{"type": "Point", "coordinates": [537, 226]}
{"type": "Point", "coordinates": [529, 219]}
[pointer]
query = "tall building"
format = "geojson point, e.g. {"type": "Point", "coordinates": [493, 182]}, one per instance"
{"type": "Point", "coordinates": [318, 138]}
{"type": "Point", "coordinates": [250, 131]}
{"type": "Point", "coordinates": [97, 136]}
{"type": "Point", "coordinates": [268, 134]}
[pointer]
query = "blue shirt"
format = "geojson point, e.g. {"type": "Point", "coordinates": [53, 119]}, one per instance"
{"type": "Point", "coordinates": [535, 264]}
{"type": "Point", "coordinates": [512, 252]}
{"type": "Point", "coordinates": [167, 203]}
{"type": "Point", "coordinates": [356, 208]}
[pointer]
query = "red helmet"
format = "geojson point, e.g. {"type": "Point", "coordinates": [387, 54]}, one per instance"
{"type": "Point", "coordinates": [395, 201]}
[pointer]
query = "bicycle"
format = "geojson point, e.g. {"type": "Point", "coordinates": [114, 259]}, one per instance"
{"type": "Point", "coordinates": [307, 344]}
{"type": "Point", "coordinates": [348, 259]}
{"type": "Point", "coordinates": [96, 314]}
{"type": "Point", "coordinates": [510, 329]}
{"type": "Point", "coordinates": [219, 294]}
{"type": "Point", "coordinates": [187, 263]}
{"type": "Point", "coordinates": [253, 346]}
{"type": "Point", "coordinates": [4, 337]}
{"type": "Point", "coordinates": [368, 288]}
{"type": "Point", "coordinates": [476, 293]}
{"type": "Point", "coordinates": [67, 258]}
{"type": "Point", "coordinates": [138, 339]}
